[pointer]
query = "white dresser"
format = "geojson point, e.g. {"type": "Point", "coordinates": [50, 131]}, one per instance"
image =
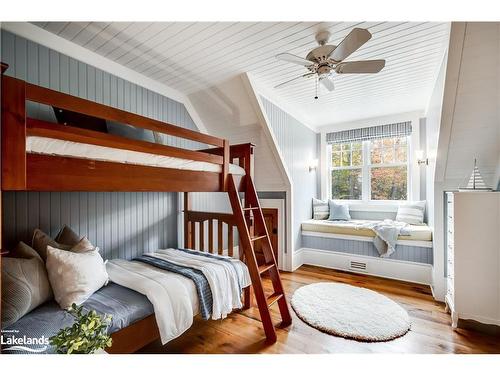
{"type": "Point", "coordinates": [473, 256]}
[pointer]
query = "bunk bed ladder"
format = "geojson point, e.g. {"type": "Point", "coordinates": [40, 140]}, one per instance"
{"type": "Point", "coordinates": [250, 234]}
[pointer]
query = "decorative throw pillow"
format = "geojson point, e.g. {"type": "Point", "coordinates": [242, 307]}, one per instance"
{"type": "Point", "coordinates": [339, 212]}
{"type": "Point", "coordinates": [411, 213]}
{"type": "Point", "coordinates": [67, 236]}
{"type": "Point", "coordinates": [74, 277]}
{"type": "Point", "coordinates": [25, 284]}
{"type": "Point", "coordinates": [83, 246]}
{"type": "Point", "coordinates": [40, 242]}
{"type": "Point", "coordinates": [320, 209]}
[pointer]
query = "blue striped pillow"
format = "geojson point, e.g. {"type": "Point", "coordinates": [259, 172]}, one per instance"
{"type": "Point", "coordinates": [320, 209]}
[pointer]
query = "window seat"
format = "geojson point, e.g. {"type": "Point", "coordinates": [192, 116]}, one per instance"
{"type": "Point", "coordinates": [343, 238]}
{"type": "Point", "coordinates": [416, 232]}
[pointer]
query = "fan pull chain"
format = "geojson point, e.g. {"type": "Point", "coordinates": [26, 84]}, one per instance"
{"type": "Point", "coordinates": [317, 84]}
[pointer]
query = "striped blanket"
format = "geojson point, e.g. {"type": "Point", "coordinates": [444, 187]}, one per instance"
{"type": "Point", "coordinates": [197, 277]}
{"type": "Point", "coordinates": [182, 283]}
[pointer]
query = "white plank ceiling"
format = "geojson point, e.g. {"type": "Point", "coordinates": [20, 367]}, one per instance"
{"type": "Point", "coordinates": [194, 56]}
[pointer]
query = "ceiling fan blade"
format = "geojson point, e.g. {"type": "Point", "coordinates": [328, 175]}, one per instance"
{"type": "Point", "coordinates": [355, 39]}
{"type": "Point", "coordinates": [294, 59]}
{"type": "Point", "coordinates": [286, 83]}
{"type": "Point", "coordinates": [327, 83]}
{"type": "Point", "coordinates": [367, 66]}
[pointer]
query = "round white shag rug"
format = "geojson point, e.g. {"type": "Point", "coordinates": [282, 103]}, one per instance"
{"type": "Point", "coordinates": [350, 312]}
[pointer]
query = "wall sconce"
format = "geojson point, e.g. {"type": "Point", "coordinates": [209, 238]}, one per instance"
{"type": "Point", "coordinates": [313, 165]}
{"type": "Point", "coordinates": [420, 158]}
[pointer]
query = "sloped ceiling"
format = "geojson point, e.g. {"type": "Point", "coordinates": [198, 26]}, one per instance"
{"type": "Point", "coordinates": [191, 57]}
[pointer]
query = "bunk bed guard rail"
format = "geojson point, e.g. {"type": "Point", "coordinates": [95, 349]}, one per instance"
{"type": "Point", "coordinates": [25, 171]}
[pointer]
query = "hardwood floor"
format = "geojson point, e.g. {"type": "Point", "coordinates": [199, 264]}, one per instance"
{"type": "Point", "coordinates": [242, 332]}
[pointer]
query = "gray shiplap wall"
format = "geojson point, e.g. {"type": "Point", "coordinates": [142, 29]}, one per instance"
{"type": "Point", "coordinates": [299, 146]}
{"type": "Point", "coordinates": [121, 224]}
{"type": "Point", "coordinates": [403, 252]}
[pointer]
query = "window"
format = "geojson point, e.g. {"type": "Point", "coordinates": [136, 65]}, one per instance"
{"type": "Point", "coordinates": [388, 169]}
{"type": "Point", "coordinates": [346, 171]}
{"type": "Point", "coordinates": [375, 169]}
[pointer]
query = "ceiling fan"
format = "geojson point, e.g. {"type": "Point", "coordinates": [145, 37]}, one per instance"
{"type": "Point", "coordinates": [325, 60]}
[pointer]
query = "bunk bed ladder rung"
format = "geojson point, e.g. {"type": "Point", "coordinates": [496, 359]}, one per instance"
{"type": "Point", "coordinates": [247, 244]}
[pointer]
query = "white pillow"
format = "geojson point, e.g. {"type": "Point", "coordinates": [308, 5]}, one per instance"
{"type": "Point", "coordinates": [411, 213]}
{"type": "Point", "coordinates": [74, 277]}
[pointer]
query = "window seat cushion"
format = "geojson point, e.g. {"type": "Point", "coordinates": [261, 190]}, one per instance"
{"type": "Point", "coordinates": [416, 232]}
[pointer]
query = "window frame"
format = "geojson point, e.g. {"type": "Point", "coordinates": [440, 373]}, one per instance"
{"type": "Point", "coordinates": [366, 167]}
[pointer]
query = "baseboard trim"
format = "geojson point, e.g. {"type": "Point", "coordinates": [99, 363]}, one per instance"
{"type": "Point", "coordinates": [389, 268]}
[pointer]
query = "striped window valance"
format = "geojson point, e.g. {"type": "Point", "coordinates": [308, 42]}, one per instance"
{"type": "Point", "coordinates": [399, 129]}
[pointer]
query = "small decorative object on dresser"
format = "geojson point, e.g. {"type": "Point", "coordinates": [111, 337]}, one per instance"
{"type": "Point", "coordinates": [473, 256]}
{"type": "Point", "coordinates": [476, 182]}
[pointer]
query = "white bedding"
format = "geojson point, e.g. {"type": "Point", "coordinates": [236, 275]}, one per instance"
{"type": "Point", "coordinates": [174, 297]}
{"type": "Point", "coordinates": [51, 146]}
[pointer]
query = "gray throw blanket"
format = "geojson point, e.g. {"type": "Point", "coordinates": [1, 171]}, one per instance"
{"type": "Point", "coordinates": [386, 235]}
{"type": "Point", "coordinates": [200, 281]}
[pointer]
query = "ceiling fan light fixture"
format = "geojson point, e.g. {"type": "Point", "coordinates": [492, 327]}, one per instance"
{"type": "Point", "coordinates": [322, 61]}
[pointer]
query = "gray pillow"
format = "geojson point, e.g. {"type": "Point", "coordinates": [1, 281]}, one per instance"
{"type": "Point", "coordinates": [40, 242]}
{"type": "Point", "coordinates": [67, 236]}
{"type": "Point", "coordinates": [320, 209]}
{"type": "Point", "coordinates": [339, 212]}
{"type": "Point", "coordinates": [25, 284]}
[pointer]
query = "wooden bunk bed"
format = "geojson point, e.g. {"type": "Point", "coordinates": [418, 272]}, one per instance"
{"type": "Point", "coordinates": [29, 171]}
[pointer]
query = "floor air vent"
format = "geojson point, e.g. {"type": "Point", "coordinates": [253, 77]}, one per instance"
{"type": "Point", "coordinates": [357, 266]}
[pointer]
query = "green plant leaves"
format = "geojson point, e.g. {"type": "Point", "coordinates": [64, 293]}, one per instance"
{"type": "Point", "coordinates": [87, 335]}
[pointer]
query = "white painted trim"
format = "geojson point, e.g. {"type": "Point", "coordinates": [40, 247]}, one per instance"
{"type": "Point", "coordinates": [190, 108]}
{"type": "Point", "coordinates": [388, 268]}
{"type": "Point", "coordinates": [254, 97]}
{"type": "Point", "coordinates": [414, 176]}
{"type": "Point", "coordinates": [275, 99]}
{"type": "Point", "coordinates": [426, 244]}
{"type": "Point", "coordinates": [66, 47]}
{"type": "Point", "coordinates": [297, 259]}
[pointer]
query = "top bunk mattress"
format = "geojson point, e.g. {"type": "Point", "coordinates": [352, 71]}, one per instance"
{"type": "Point", "coordinates": [51, 146]}
{"type": "Point", "coordinates": [351, 227]}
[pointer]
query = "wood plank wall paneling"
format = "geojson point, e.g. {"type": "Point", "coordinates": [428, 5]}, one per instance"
{"type": "Point", "coordinates": [403, 252]}
{"type": "Point", "coordinates": [121, 224]}
{"type": "Point", "coordinates": [299, 146]}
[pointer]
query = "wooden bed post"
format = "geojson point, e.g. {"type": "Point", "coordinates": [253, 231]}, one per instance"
{"type": "Point", "coordinates": [13, 134]}
{"type": "Point", "coordinates": [187, 224]}
{"type": "Point", "coordinates": [225, 165]}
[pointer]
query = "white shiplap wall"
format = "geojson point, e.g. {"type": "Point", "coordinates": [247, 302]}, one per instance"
{"type": "Point", "coordinates": [469, 121]}
{"type": "Point", "coordinates": [193, 56]}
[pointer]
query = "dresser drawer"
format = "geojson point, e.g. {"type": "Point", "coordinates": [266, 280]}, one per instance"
{"type": "Point", "coordinates": [450, 269]}
{"type": "Point", "coordinates": [450, 285]}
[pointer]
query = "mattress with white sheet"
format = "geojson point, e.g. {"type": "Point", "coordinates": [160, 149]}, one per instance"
{"type": "Point", "coordinates": [51, 146]}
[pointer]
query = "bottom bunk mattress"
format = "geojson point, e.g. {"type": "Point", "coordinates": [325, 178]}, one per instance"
{"type": "Point", "coordinates": [123, 304]}
{"type": "Point", "coordinates": [167, 277]}
{"type": "Point", "coordinates": [173, 284]}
